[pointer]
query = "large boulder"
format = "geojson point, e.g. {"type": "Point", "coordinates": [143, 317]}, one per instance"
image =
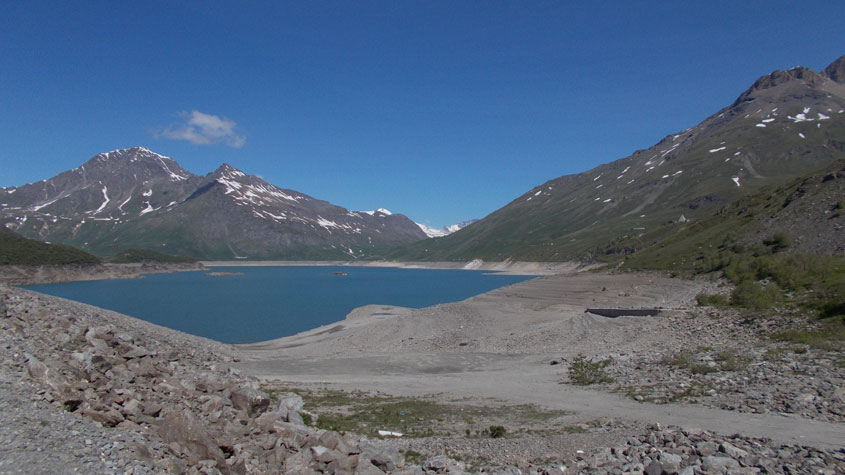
{"type": "Point", "coordinates": [253, 401]}
{"type": "Point", "coordinates": [184, 429]}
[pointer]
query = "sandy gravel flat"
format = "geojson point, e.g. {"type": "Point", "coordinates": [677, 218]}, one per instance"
{"type": "Point", "coordinates": [500, 344]}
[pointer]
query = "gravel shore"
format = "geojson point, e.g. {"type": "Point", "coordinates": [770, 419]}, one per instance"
{"type": "Point", "coordinates": [85, 390]}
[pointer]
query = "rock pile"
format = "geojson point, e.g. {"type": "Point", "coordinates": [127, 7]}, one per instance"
{"type": "Point", "coordinates": [173, 391]}
{"type": "Point", "coordinates": [687, 452]}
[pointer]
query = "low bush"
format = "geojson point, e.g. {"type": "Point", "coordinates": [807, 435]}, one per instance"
{"type": "Point", "coordinates": [497, 432]}
{"type": "Point", "coordinates": [712, 300]}
{"type": "Point", "coordinates": [778, 242]}
{"type": "Point", "coordinates": [585, 372]}
{"type": "Point", "coordinates": [756, 296]}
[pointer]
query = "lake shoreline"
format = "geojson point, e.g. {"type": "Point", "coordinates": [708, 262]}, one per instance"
{"type": "Point", "coordinates": [55, 274]}
{"type": "Point", "coordinates": [504, 267]}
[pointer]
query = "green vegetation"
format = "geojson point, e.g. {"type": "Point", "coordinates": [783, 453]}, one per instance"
{"type": "Point", "coordinates": [769, 276]}
{"type": "Point", "coordinates": [146, 255]}
{"type": "Point", "coordinates": [365, 413]}
{"type": "Point", "coordinates": [586, 372]}
{"type": "Point", "coordinates": [830, 335]}
{"type": "Point", "coordinates": [18, 250]}
{"type": "Point", "coordinates": [688, 360]}
{"type": "Point", "coordinates": [712, 300]}
{"type": "Point", "coordinates": [497, 432]}
{"type": "Point", "coordinates": [729, 360]}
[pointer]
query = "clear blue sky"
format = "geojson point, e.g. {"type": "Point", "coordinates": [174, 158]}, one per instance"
{"type": "Point", "coordinates": [442, 111]}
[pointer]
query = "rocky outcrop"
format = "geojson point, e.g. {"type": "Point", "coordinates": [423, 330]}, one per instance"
{"type": "Point", "coordinates": [172, 390]}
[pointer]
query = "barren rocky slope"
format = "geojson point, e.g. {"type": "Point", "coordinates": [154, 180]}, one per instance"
{"type": "Point", "coordinates": [88, 390]}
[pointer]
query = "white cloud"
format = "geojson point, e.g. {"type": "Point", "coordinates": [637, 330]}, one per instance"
{"type": "Point", "coordinates": [200, 128]}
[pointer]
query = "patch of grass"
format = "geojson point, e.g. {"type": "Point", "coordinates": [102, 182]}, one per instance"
{"type": "Point", "coordinates": [497, 432]}
{"type": "Point", "coordinates": [687, 359]}
{"type": "Point", "coordinates": [146, 255]}
{"type": "Point", "coordinates": [831, 336]}
{"type": "Point", "coordinates": [712, 300]}
{"type": "Point", "coordinates": [774, 354]}
{"type": "Point", "coordinates": [586, 372]}
{"type": "Point", "coordinates": [702, 369]}
{"type": "Point", "coordinates": [729, 360]}
{"type": "Point", "coordinates": [365, 413]}
{"type": "Point", "coordinates": [413, 457]}
{"type": "Point", "coordinates": [18, 250]}
{"type": "Point", "coordinates": [755, 295]}
{"type": "Point", "coordinates": [681, 359]}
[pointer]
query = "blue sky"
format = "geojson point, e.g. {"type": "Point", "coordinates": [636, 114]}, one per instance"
{"type": "Point", "coordinates": [442, 111]}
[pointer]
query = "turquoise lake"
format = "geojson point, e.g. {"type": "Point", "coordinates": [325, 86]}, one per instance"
{"type": "Point", "coordinates": [271, 302]}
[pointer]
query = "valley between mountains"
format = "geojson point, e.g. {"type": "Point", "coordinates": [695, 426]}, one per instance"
{"type": "Point", "coordinates": [730, 232]}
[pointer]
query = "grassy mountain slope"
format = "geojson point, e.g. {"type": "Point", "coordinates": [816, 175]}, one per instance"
{"type": "Point", "coordinates": [145, 255]}
{"type": "Point", "coordinates": [18, 250]}
{"type": "Point", "coordinates": [803, 216]}
{"type": "Point", "coordinates": [786, 125]}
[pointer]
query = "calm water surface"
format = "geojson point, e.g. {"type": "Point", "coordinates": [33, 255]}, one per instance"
{"type": "Point", "coordinates": [272, 302]}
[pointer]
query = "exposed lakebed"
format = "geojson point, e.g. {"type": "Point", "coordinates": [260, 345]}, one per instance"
{"type": "Point", "coordinates": [250, 304]}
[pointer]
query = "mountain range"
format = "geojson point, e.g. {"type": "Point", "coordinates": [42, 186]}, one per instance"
{"type": "Point", "coordinates": [136, 198]}
{"type": "Point", "coordinates": [786, 125]}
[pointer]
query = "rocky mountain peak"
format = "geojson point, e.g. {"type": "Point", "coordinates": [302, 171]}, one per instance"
{"type": "Point", "coordinates": [136, 159]}
{"type": "Point", "coordinates": [836, 70]}
{"type": "Point", "coordinates": [777, 78]}
{"type": "Point", "coordinates": [799, 74]}
{"type": "Point", "coordinates": [226, 169]}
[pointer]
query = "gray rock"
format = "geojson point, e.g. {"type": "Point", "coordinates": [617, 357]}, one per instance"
{"type": "Point", "coordinates": [35, 368]}
{"type": "Point", "coordinates": [436, 463]}
{"type": "Point", "coordinates": [365, 467]}
{"type": "Point", "coordinates": [253, 401]}
{"type": "Point", "coordinates": [731, 450]}
{"type": "Point", "coordinates": [706, 448]}
{"type": "Point", "coordinates": [298, 463]}
{"type": "Point", "coordinates": [654, 468]}
{"type": "Point", "coordinates": [385, 458]}
{"type": "Point", "coordinates": [184, 429]}
{"type": "Point", "coordinates": [671, 462]}
{"type": "Point", "coordinates": [715, 462]}
{"type": "Point", "coordinates": [289, 402]}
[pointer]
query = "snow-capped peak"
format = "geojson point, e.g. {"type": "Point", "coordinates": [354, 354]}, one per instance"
{"type": "Point", "coordinates": [432, 232]}
{"type": "Point", "coordinates": [446, 230]}
{"type": "Point", "coordinates": [383, 211]}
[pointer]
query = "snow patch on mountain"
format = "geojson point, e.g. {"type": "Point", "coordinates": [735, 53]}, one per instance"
{"type": "Point", "coordinates": [446, 230]}
{"type": "Point", "coordinates": [105, 200]}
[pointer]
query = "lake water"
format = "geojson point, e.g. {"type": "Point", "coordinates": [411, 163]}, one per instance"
{"type": "Point", "coordinates": [271, 302]}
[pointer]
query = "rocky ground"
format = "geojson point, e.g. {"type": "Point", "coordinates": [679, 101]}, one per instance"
{"type": "Point", "coordinates": [91, 391]}
{"type": "Point", "coordinates": [87, 390]}
{"type": "Point", "coordinates": [31, 275]}
{"type": "Point", "coordinates": [729, 362]}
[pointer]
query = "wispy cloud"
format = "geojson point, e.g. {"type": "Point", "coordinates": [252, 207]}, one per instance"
{"type": "Point", "coordinates": [204, 129]}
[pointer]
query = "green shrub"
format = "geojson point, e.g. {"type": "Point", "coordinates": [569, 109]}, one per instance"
{"type": "Point", "coordinates": [497, 432]}
{"type": "Point", "coordinates": [711, 300]}
{"type": "Point", "coordinates": [682, 359]}
{"type": "Point", "coordinates": [585, 372]}
{"type": "Point", "coordinates": [831, 336]}
{"type": "Point", "coordinates": [755, 295]}
{"type": "Point", "coordinates": [778, 242]}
